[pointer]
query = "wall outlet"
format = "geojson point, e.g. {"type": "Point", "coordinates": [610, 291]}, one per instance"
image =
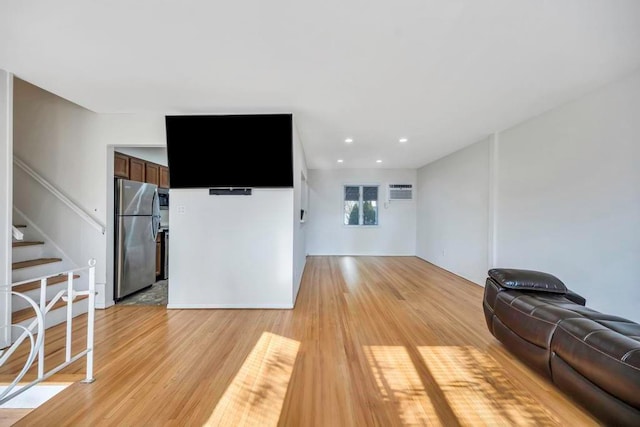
{"type": "Point", "coordinates": [182, 210]}
{"type": "Point", "coordinates": [443, 253]}
{"type": "Point", "coordinates": [100, 294]}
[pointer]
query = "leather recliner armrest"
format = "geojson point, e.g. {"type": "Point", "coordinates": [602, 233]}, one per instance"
{"type": "Point", "coordinates": [527, 280]}
{"type": "Point", "coordinates": [578, 299]}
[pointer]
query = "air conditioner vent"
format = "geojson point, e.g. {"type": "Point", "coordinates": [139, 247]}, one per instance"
{"type": "Point", "coordinates": [400, 192]}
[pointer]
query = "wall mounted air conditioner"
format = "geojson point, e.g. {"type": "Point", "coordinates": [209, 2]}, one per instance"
{"type": "Point", "coordinates": [400, 192]}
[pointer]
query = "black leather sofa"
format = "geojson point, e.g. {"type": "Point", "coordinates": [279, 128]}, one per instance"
{"type": "Point", "coordinates": [593, 357]}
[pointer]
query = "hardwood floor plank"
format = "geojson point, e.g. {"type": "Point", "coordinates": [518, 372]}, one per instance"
{"type": "Point", "coordinates": [9, 417]}
{"type": "Point", "coordinates": [379, 341]}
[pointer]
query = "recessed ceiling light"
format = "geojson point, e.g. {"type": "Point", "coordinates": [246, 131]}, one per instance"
{"type": "Point", "coordinates": [403, 140]}
{"type": "Point", "coordinates": [340, 160]}
{"type": "Point", "coordinates": [348, 140]}
{"type": "Point", "coordinates": [378, 161]}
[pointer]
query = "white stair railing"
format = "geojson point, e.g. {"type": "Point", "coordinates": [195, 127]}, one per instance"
{"type": "Point", "coordinates": [37, 328]}
{"type": "Point", "coordinates": [17, 234]}
{"type": "Point", "coordinates": [60, 195]}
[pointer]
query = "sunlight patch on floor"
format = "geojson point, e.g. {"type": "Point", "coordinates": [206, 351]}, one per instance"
{"type": "Point", "coordinates": [400, 384]}
{"type": "Point", "coordinates": [256, 394]}
{"type": "Point", "coordinates": [478, 391]}
{"type": "Point", "coordinates": [34, 397]}
{"type": "Point", "coordinates": [349, 271]}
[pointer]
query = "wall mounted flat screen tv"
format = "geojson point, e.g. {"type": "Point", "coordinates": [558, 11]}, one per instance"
{"type": "Point", "coordinates": [249, 151]}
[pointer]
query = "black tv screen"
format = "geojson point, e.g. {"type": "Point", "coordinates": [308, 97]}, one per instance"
{"type": "Point", "coordinates": [205, 151]}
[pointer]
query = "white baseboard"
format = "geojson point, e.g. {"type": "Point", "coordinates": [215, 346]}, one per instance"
{"type": "Point", "coordinates": [464, 276]}
{"type": "Point", "coordinates": [236, 306]}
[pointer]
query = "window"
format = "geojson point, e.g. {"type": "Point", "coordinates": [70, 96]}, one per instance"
{"type": "Point", "coordinates": [357, 196]}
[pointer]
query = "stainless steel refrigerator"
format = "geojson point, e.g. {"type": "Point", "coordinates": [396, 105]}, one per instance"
{"type": "Point", "coordinates": [137, 220]}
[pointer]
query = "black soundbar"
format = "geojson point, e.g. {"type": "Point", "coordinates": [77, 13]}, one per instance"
{"type": "Point", "coordinates": [229, 191]}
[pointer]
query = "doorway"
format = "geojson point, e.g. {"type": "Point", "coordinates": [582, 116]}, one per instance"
{"type": "Point", "coordinates": [141, 166]}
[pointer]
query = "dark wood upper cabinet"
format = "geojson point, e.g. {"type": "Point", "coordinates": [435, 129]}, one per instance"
{"type": "Point", "coordinates": [164, 177]}
{"type": "Point", "coordinates": [121, 165]}
{"type": "Point", "coordinates": [137, 170]}
{"type": "Point", "coordinates": [152, 173]}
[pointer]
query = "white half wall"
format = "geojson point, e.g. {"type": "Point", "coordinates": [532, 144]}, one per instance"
{"type": "Point", "coordinates": [396, 232]}
{"type": "Point", "coordinates": [6, 202]}
{"type": "Point", "coordinates": [569, 197]}
{"type": "Point", "coordinates": [453, 212]}
{"type": "Point", "coordinates": [231, 251]}
{"type": "Point", "coordinates": [68, 145]}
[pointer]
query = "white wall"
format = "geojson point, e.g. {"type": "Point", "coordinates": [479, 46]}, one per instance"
{"type": "Point", "coordinates": [231, 251]}
{"type": "Point", "coordinates": [6, 201]}
{"type": "Point", "coordinates": [73, 147]}
{"type": "Point", "coordinates": [453, 195]}
{"type": "Point", "coordinates": [326, 234]}
{"type": "Point", "coordinates": [67, 145]}
{"type": "Point", "coordinates": [238, 251]}
{"type": "Point", "coordinates": [299, 202]}
{"type": "Point", "coordinates": [564, 198]}
{"type": "Point", "coordinates": [569, 196]}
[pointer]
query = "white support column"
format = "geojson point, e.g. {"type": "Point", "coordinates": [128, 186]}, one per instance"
{"type": "Point", "coordinates": [6, 202]}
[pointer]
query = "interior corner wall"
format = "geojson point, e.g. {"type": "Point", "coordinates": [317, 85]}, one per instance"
{"type": "Point", "coordinates": [327, 235]}
{"type": "Point", "coordinates": [299, 200]}
{"type": "Point", "coordinates": [562, 196]}
{"type": "Point", "coordinates": [569, 196]}
{"type": "Point", "coordinates": [67, 145]}
{"type": "Point", "coordinates": [6, 201]}
{"type": "Point", "coordinates": [453, 212]}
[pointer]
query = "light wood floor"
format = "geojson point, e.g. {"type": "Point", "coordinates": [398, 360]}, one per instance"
{"type": "Point", "coordinates": [372, 341]}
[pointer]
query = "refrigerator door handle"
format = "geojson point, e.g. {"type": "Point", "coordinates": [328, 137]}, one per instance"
{"type": "Point", "coordinates": [155, 224]}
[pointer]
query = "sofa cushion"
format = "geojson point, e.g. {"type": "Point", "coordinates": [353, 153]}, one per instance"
{"type": "Point", "coordinates": [536, 357]}
{"type": "Point", "coordinates": [605, 357]}
{"type": "Point", "coordinates": [562, 301]}
{"type": "Point", "coordinates": [609, 409]}
{"type": "Point", "coordinates": [527, 280]}
{"type": "Point", "coordinates": [624, 326]}
{"type": "Point", "coordinates": [491, 291]}
{"type": "Point", "coordinates": [533, 319]}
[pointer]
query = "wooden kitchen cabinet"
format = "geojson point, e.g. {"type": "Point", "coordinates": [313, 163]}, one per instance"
{"type": "Point", "coordinates": [164, 177]}
{"type": "Point", "coordinates": [137, 169]}
{"type": "Point", "coordinates": [121, 165]}
{"type": "Point", "coordinates": [152, 173]}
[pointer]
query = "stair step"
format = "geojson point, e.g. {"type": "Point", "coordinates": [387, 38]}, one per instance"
{"type": "Point", "coordinates": [34, 262]}
{"type": "Point", "coordinates": [27, 313]}
{"type": "Point", "coordinates": [22, 243]}
{"type": "Point", "coordinates": [35, 285]}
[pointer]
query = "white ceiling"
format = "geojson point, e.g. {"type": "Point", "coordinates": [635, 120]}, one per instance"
{"type": "Point", "coordinates": [442, 73]}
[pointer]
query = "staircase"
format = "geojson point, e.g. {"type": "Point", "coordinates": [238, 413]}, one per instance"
{"type": "Point", "coordinates": [49, 287]}
{"type": "Point", "coordinates": [32, 258]}
{"type": "Point", "coordinates": [57, 292]}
